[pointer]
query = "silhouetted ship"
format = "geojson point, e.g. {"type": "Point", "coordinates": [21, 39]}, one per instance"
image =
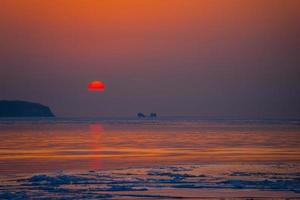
{"type": "Point", "coordinates": [142, 115]}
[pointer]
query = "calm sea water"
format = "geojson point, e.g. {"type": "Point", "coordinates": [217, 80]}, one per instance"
{"type": "Point", "coordinates": [71, 145]}
{"type": "Point", "coordinates": [67, 144]}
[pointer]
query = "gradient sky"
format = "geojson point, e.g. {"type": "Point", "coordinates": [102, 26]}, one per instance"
{"type": "Point", "coordinates": [211, 58]}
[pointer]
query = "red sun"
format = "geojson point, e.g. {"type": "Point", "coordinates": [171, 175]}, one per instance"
{"type": "Point", "coordinates": [96, 86]}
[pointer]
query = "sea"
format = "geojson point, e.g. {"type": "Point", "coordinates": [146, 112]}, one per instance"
{"type": "Point", "coordinates": [163, 158]}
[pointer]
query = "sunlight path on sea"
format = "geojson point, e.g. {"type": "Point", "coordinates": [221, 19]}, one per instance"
{"type": "Point", "coordinates": [41, 147]}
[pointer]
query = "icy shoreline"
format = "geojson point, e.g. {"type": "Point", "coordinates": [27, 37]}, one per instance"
{"type": "Point", "coordinates": [171, 182]}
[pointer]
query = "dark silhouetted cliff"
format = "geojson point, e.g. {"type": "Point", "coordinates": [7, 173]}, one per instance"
{"type": "Point", "coordinates": [23, 109]}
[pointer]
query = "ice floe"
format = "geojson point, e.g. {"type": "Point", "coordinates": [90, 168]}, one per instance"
{"type": "Point", "coordinates": [145, 183]}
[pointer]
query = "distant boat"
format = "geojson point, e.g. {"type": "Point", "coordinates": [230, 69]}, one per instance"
{"type": "Point", "coordinates": [153, 115]}
{"type": "Point", "coordinates": [142, 115]}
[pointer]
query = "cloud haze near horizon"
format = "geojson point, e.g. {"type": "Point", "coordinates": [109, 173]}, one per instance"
{"type": "Point", "coordinates": [236, 58]}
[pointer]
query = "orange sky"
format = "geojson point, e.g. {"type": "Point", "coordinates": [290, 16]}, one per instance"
{"type": "Point", "coordinates": [85, 28]}
{"type": "Point", "coordinates": [71, 42]}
